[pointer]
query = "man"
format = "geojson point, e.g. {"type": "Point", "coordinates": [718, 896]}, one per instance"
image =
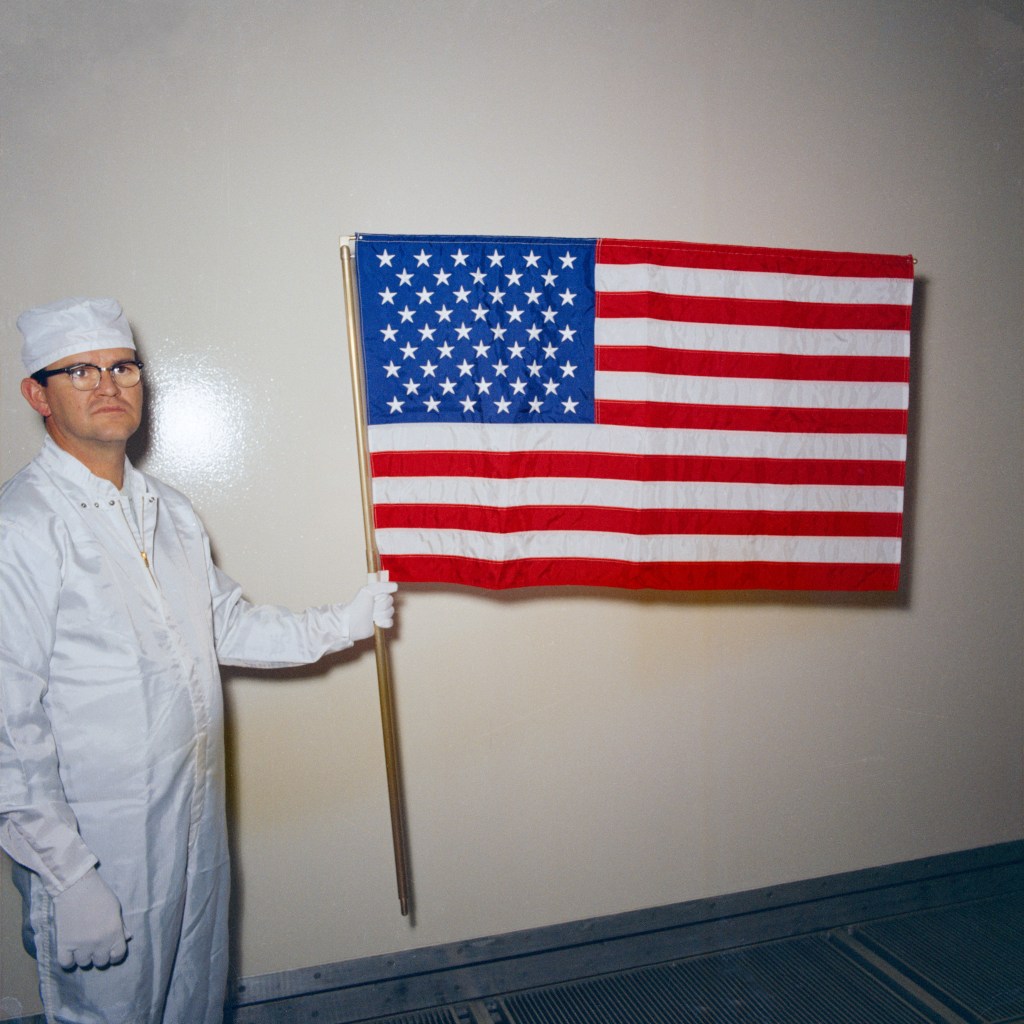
{"type": "Point", "coordinates": [114, 619]}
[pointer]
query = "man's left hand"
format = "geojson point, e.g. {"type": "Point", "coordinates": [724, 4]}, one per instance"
{"type": "Point", "coordinates": [374, 605]}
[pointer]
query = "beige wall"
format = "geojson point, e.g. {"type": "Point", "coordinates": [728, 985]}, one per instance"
{"type": "Point", "coordinates": [566, 755]}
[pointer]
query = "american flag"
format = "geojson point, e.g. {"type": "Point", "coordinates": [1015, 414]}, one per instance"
{"type": "Point", "coordinates": [638, 414]}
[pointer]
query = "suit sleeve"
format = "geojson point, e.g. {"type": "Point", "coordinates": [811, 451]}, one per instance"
{"type": "Point", "coordinates": [37, 827]}
{"type": "Point", "coordinates": [270, 636]}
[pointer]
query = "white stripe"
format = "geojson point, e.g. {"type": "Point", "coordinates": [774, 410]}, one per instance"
{"type": "Point", "coordinates": [599, 493]}
{"type": "Point", "coordinates": [569, 437]}
{"type": "Point", "coordinates": [746, 284]}
{"type": "Point", "coordinates": [747, 391]}
{"type": "Point", "coordinates": [797, 341]}
{"type": "Point", "coordinates": [557, 544]}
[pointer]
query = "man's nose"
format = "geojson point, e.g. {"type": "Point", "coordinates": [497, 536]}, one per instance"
{"type": "Point", "coordinates": [107, 385]}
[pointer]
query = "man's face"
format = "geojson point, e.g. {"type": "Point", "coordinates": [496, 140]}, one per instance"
{"type": "Point", "coordinates": [109, 415]}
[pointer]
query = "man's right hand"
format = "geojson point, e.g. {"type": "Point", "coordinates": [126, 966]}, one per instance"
{"type": "Point", "coordinates": [90, 929]}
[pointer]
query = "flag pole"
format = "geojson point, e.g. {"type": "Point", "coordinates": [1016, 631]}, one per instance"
{"type": "Point", "coordinates": [387, 702]}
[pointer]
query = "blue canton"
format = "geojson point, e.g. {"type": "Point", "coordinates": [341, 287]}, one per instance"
{"type": "Point", "coordinates": [477, 329]}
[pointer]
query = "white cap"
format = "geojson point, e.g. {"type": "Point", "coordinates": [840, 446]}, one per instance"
{"type": "Point", "coordinates": [68, 326]}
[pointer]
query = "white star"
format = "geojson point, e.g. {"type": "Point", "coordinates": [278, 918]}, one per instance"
{"type": "Point", "coordinates": [409, 351]}
{"type": "Point", "coordinates": [422, 258]}
{"type": "Point", "coordinates": [549, 351]}
{"type": "Point", "coordinates": [483, 387]}
{"type": "Point", "coordinates": [568, 370]}
{"type": "Point", "coordinates": [515, 313]}
{"type": "Point", "coordinates": [534, 333]}
{"type": "Point", "coordinates": [481, 349]}
{"type": "Point", "coordinates": [462, 295]}
{"type": "Point", "coordinates": [567, 297]}
{"type": "Point", "coordinates": [385, 258]}
{"type": "Point", "coordinates": [387, 296]}
{"type": "Point", "coordinates": [480, 313]}
{"type": "Point", "coordinates": [424, 295]}
{"type": "Point", "coordinates": [442, 277]}
{"type": "Point", "coordinates": [519, 386]}
{"type": "Point", "coordinates": [499, 368]}
{"type": "Point", "coordinates": [549, 315]}
{"type": "Point", "coordinates": [516, 351]}
{"type": "Point", "coordinates": [567, 333]}
{"type": "Point", "coordinates": [533, 295]}
{"type": "Point", "coordinates": [502, 405]}
{"type": "Point", "coordinates": [460, 258]}
{"type": "Point", "coordinates": [427, 332]}
{"type": "Point", "coordinates": [444, 313]}
{"type": "Point", "coordinates": [432, 404]}
{"type": "Point", "coordinates": [567, 260]}
{"type": "Point", "coordinates": [514, 277]}
{"type": "Point", "coordinates": [391, 369]}
{"type": "Point", "coordinates": [428, 369]}
{"type": "Point", "coordinates": [445, 351]}
{"type": "Point", "coordinates": [551, 386]}
{"type": "Point", "coordinates": [465, 369]}
{"type": "Point", "coordinates": [569, 405]}
{"type": "Point", "coordinates": [462, 331]}
{"type": "Point", "coordinates": [395, 405]}
{"type": "Point", "coordinates": [406, 314]}
{"type": "Point", "coordinates": [496, 258]}
{"type": "Point", "coordinates": [550, 279]}
{"type": "Point", "coordinates": [468, 404]}
{"type": "Point", "coordinates": [412, 387]}
{"type": "Point", "coordinates": [497, 295]}
{"type": "Point", "coordinates": [389, 333]}
{"type": "Point", "coordinates": [448, 386]}
{"type": "Point", "coordinates": [405, 277]}
{"type": "Point", "coordinates": [533, 259]}
{"type": "Point", "coordinates": [499, 332]}
{"type": "Point", "coordinates": [478, 276]}
{"type": "Point", "coordinates": [534, 368]}
{"type": "Point", "coordinates": [535, 405]}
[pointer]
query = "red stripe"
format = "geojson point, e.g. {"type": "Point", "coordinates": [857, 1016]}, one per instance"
{"type": "Point", "coordinates": [739, 417]}
{"type": "Point", "coordinates": [753, 312]}
{"type": "Point", "coordinates": [644, 468]}
{"type": "Point", "coordinates": [521, 518]}
{"type": "Point", "coordinates": [760, 365]}
{"type": "Point", "coordinates": [542, 572]}
{"type": "Point", "coordinates": [754, 259]}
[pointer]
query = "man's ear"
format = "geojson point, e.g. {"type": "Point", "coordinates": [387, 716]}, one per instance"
{"type": "Point", "coordinates": [35, 394]}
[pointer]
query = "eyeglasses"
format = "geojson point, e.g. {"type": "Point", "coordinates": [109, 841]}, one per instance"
{"type": "Point", "coordinates": [87, 376]}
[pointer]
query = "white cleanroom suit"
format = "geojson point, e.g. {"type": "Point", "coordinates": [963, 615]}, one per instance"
{"type": "Point", "coordinates": [111, 727]}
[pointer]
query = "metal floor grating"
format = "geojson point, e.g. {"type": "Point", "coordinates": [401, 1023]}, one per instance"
{"type": "Point", "coordinates": [957, 965]}
{"type": "Point", "coordinates": [796, 981]}
{"type": "Point", "coordinates": [446, 1015]}
{"type": "Point", "coordinates": [971, 957]}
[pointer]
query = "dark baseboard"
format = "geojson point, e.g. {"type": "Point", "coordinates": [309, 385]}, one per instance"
{"type": "Point", "coordinates": [475, 969]}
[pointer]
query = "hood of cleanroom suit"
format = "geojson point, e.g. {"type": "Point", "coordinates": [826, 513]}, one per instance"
{"type": "Point", "coordinates": [111, 727]}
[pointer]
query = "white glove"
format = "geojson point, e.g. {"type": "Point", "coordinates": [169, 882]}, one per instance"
{"type": "Point", "coordinates": [372, 606]}
{"type": "Point", "coordinates": [90, 929]}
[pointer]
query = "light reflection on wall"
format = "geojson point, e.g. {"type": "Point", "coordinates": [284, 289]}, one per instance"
{"type": "Point", "coordinates": [199, 435]}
